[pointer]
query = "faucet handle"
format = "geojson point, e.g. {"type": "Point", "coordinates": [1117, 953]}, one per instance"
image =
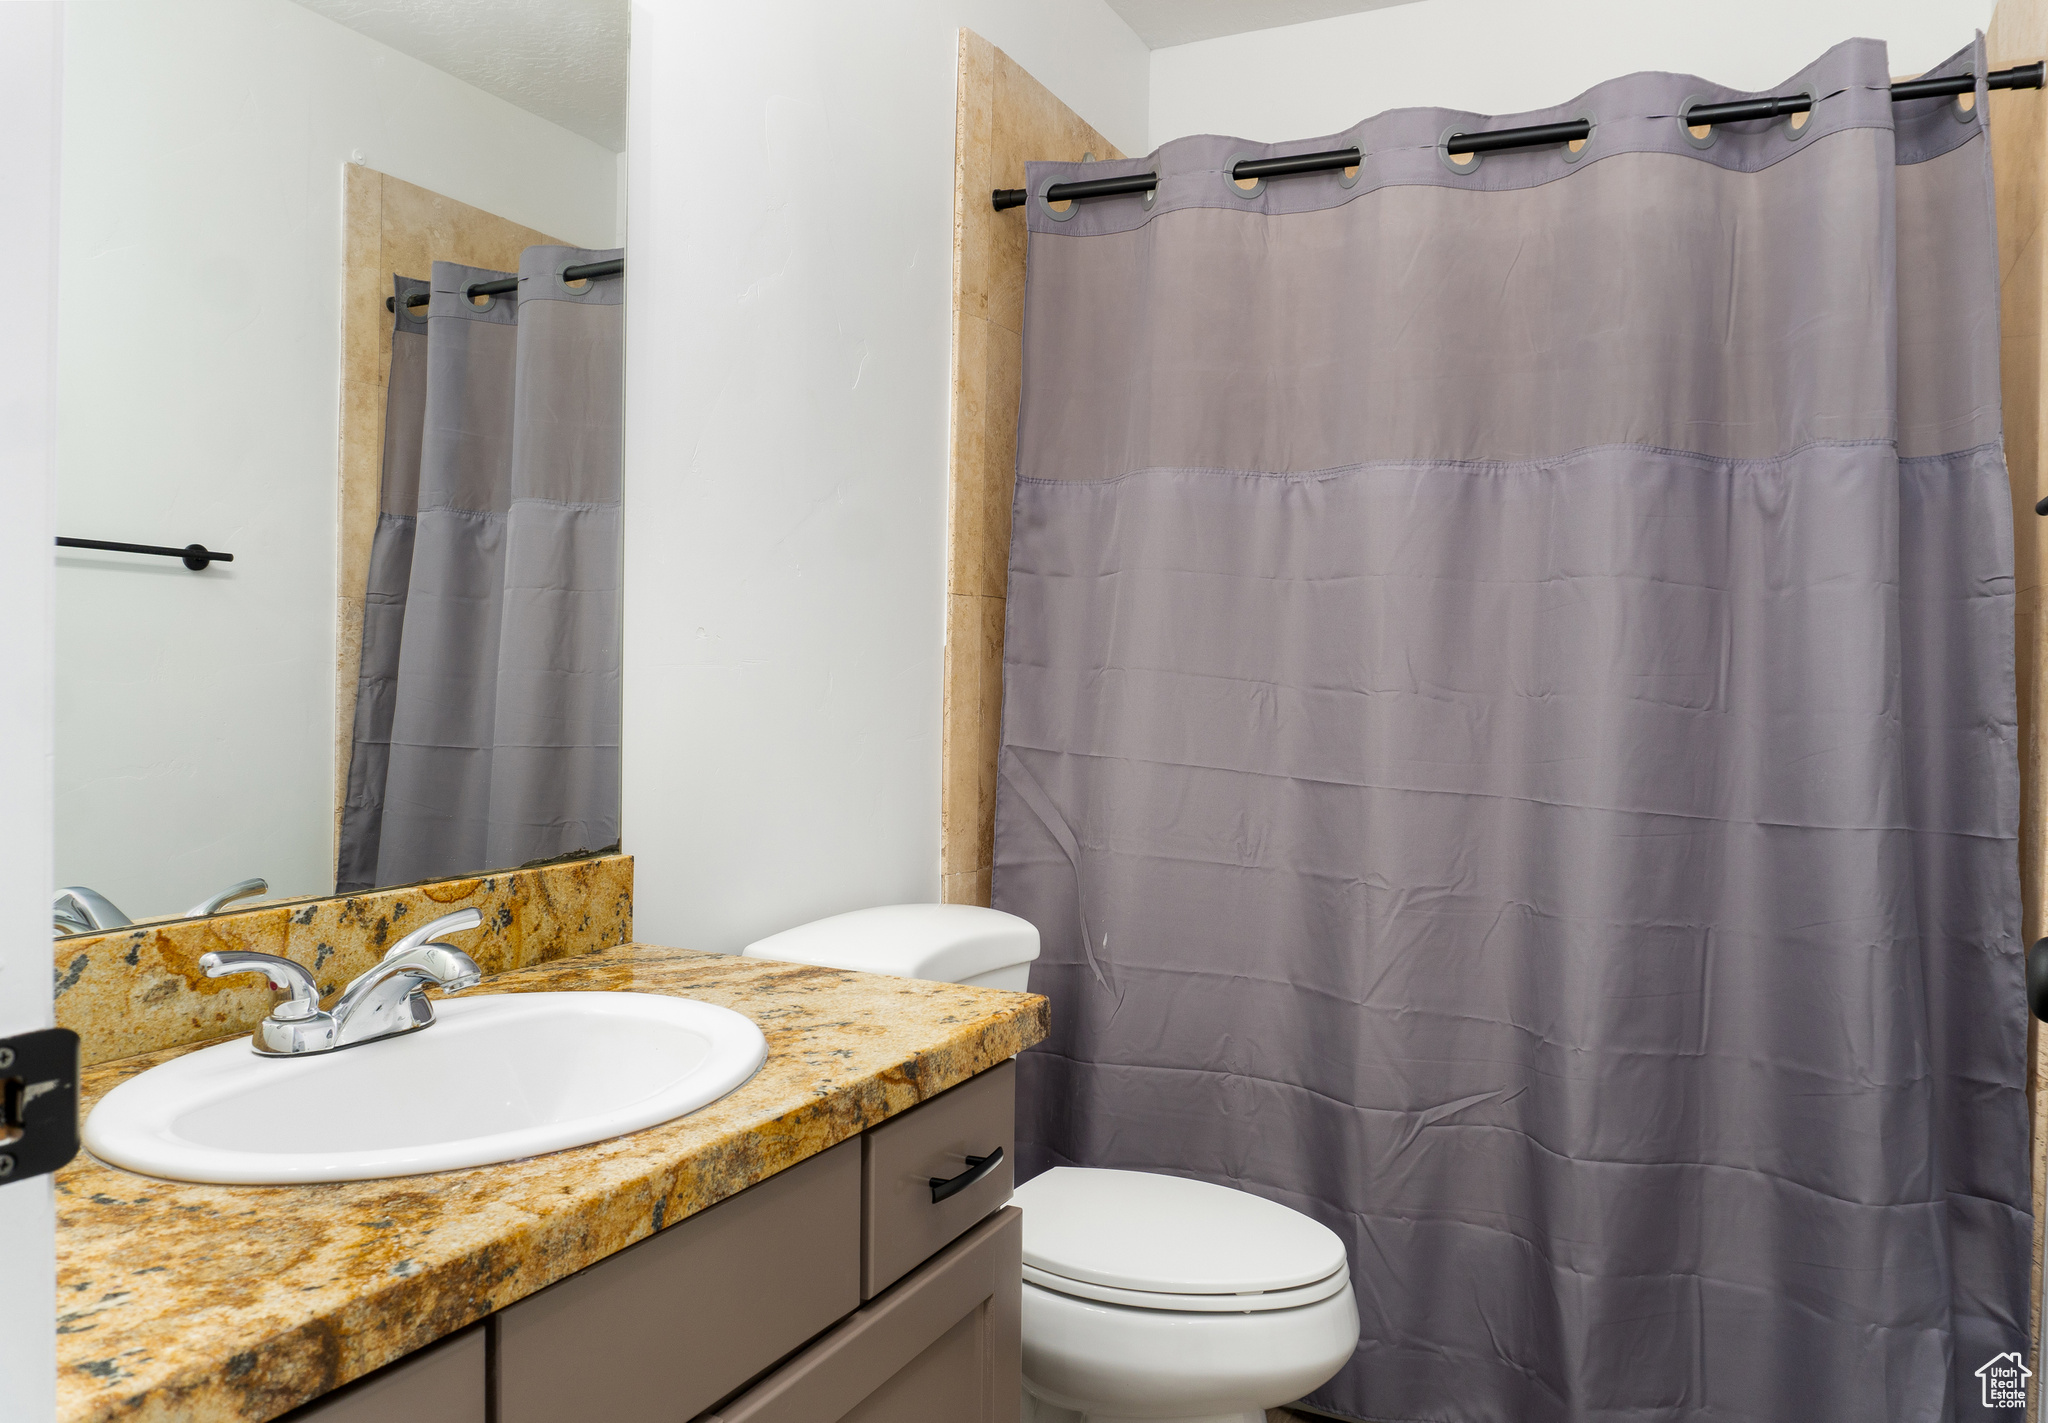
{"type": "Point", "coordinates": [459, 922]}
{"type": "Point", "coordinates": [391, 997]}
{"type": "Point", "coordinates": [83, 902]}
{"type": "Point", "coordinates": [284, 976]}
{"type": "Point", "coordinates": [441, 966]}
{"type": "Point", "coordinates": [241, 890]}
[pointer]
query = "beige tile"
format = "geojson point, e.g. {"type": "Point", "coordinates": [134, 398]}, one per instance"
{"type": "Point", "coordinates": [362, 471]}
{"type": "Point", "coordinates": [359, 460]}
{"type": "Point", "coordinates": [989, 725]}
{"type": "Point", "coordinates": [389, 226]}
{"type": "Point", "coordinates": [348, 656]}
{"type": "Point", "coordinates": [1005, 302]}
{"type": "Point", "coordinates": [365, 324]}
{"type": "Point", "coordinates": [959, 791]}
{"type": "Point", "coordinates": [966, 515]}
{"type": "Point", "coordinates": [971, 887]}
{"type": "Point", "coordinates": [1002, 118]}
{"type": "Point", "coordinates": [999, 481]}
{"type": "Point", "coordinates": [421, 225]}
{"type": "Point", "coordinates": [362, 203]}
{"type": "Point", "coordinates": [974, 173]}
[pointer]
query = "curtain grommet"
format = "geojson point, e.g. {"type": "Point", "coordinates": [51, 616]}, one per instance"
{"type": "Point", "coordinates": [1573, 155]}
{"type": "Point", "coordinates": [1443, 153]}
{"type": "Point", "coordinates": [1797, 131]}
{"type": "Point", "coordinates": [1686, 127]}
{"type": "Point", "coordinates": [1966, 113]}
{"type": "Point", "coordinates": [1152, 193]}
{"type": "Point", "coordinates": [1230, 166]}
{"type": "Point", "coordinates": [1045, 203]}
{"type": "Point", "coordinates": [1351, 181]}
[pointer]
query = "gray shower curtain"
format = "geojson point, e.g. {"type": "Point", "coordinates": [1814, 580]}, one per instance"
{"type": "Point", "coordinates": [487, 708]}
{"type": "Point", "coordinates": [1509, 739]}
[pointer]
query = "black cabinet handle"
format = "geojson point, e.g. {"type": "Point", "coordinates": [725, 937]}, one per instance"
{"type": "Point", "coordinates": [2037, 979]}
{"type": "Point", "coordinates": [977, 1167]}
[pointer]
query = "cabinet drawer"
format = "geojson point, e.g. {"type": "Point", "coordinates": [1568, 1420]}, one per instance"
{"type": "Point", "coordinates": [667, 1327]}
{"type": "Point", "coordinates": [942, 1346]}
{"type": "Point", "coordinates": [901, 1226]}
{"type": "Point", "coordinates": [442, 1383]}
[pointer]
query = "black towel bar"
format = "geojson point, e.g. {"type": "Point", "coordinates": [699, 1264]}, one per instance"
{"type": "Point", "coordinates": [196, 556]}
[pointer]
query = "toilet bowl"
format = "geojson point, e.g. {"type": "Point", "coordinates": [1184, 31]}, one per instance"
{"type": "Point", "coordinates": [1154, 1297]}
{"type": "Point", "coordinates": [1146, 1296]}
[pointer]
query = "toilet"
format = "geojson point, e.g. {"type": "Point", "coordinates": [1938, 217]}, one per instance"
{"type": "Point", "coordinates": [1146, 1296]}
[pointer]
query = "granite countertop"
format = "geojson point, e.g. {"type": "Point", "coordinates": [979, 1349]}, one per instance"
{"type": "Point", "coordinates": [204, 1303]}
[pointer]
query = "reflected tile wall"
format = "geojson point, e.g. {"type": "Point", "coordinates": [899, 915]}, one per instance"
{"type": "Point", "coordinates": [388, 226]}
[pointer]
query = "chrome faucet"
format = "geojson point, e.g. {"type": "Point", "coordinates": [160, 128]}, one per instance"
{"type": "Point", "coordinates": [385, 1002]}
{"type": "Point", "coordinates": [79, 910]}
{"type": "Point", "coordinates": [241, 890]}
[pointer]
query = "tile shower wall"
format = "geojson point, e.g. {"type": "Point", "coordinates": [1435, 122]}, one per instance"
{"type": "Point", "coordinates": [1003, 119]}
{"type": "Point", "coordinates": [389, 226]}
{"type": "Point", "coordinates": [140, 989]}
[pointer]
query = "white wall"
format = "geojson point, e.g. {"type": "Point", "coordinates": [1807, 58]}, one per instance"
{"type": "Point", "coordinates": [200, 356]}
{"type": "Point", "coordinates": [787, 397]}
{"type": "Point", "coordinates": [1506, 56]}
{"type": "Point", "coordinates": [30, 74]}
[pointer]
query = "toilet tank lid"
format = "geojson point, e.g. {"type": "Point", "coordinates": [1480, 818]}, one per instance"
{"type": "Point", "coordinates": [1135, 1230]}
{"type": "Point", "coordinates": [943, 942]}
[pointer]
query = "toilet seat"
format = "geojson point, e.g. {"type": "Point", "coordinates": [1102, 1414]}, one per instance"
{"type": "Point", "coordinates": [1256, 1301]}
{"type": "Point", "coordinates": [1102, 1361]}
{"type": "Point", "coordinates": [1148, 1241]}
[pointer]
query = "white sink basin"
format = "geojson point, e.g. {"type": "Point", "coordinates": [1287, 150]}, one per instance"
{"type": "Point", "coordinates": [497, 1077]}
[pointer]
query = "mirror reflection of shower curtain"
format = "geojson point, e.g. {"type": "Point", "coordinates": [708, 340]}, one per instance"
{"type": "Point", "coordinates": [487, 709]}
{"type": "Point", "coordinates": [1513, 670]}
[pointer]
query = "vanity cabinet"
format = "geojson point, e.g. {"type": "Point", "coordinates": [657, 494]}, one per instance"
{"type": "Point", "coordinates": [938, 1347]}
{"type": "Point", "coordinates": [442, 1383]}
{"type": "Point", "coordinates": [901, 1226]}
{"type": "Point", "coordinates": [835, 1290]}
{"type": "Point", "coordinates": [667, 1327]}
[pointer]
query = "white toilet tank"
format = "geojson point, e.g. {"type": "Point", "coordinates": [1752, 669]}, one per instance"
{"type": "Point", "coordinates": [947, 943]}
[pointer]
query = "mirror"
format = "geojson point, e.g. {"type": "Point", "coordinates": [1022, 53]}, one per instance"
{"type": "Point", "coordinates": [339, 605]}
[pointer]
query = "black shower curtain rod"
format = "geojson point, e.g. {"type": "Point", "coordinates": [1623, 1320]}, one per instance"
{"type": "Point", "coordinates": [589, 271]}
{"type": "Point", "coordinates": [2025, 76]}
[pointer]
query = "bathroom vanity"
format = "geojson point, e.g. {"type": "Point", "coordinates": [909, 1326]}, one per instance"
{"type": "Point", "coordinates": [777, 1255]}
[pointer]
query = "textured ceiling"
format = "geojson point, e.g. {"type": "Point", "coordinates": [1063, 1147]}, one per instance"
{"type": "Point", "coordinates": [564, 60]}
{"type": "Point", "coordinates": [1160, 23]}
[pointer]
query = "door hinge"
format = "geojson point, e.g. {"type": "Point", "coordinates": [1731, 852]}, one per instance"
{"type": "Point", "coordinates": [38, 1103]}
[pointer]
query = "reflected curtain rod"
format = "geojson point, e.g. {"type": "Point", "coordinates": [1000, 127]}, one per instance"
{"type": "Point", "coordinates": [2025, 76]}
{"type": "Point", "coordinates": [589, 271]}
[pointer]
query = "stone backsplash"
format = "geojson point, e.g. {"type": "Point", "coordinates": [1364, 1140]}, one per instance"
{"type": "Point", "coordinates": [140, 989]}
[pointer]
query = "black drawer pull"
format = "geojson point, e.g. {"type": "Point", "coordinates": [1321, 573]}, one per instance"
{"type": "Point", "coordinates": [977, 1167]}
